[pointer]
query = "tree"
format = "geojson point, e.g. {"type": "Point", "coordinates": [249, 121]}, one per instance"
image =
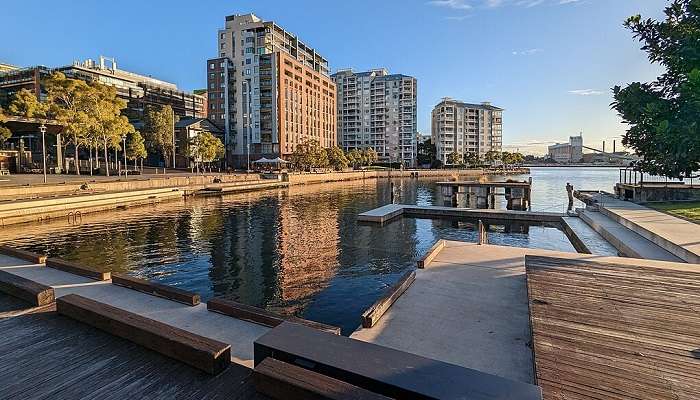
{"type": "Point", "coordinates": [206, 148]}
{"type": "Point", "coordinates": [427, 152]}
{"type": "Point", "coordinates": [354, 158]}
{"type": "Point", "coordinates": [5, 132]}
{"type": "Point", "coordinates": [25, 104]}
{"type": "Point", "coordinates": [369, 156]}
{"type": "Point", "coordinates": [336, 158]}
{"type": "Point", "coordinates": [135, 147]}
{"type": "Point", "coordinates": [68, 102]}
{"type": "Point", "coordinates": [454, 158]}
{"type": "Point", "coordinates": [664, 115]}
{"type": "Point", "coordinates": [158, 131]}
{"type": "Point", "coordinates": [472, 159]}
{"type": "Point", "coordinates": [492, 156]}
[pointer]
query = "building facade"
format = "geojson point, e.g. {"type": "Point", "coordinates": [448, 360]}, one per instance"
{"type": "Point", "coordinates": [268, 91]}
{"type": "Point", "coordinates": [378, 110]}
{"type": "Point", "coordinates": [566, 153]}
{"type": "Point", "coordinates": [466, 128]}
{"type": "Point", "coordinates": [138, 90]}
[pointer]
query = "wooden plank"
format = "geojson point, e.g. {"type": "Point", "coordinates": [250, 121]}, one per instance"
{"type": "Point", "coordinates": [156, 289]}
{"type": "Point", "coordinates": [384, 370]}
{"type": "Point", "coordinates": [34, 293]}
{"type": "Point", "coordinates": [261, 316]}
{"type": "Point", "coordinates": [35, 258]}
{"type": "Point", "coordinates": [200, 352]}
{"type": "Point", "coordinates": [77, 269]}
{"type": "Point", "coordinates": [283, 381]}
{"type": "Point", "coordinates": [430, 255]}
{"type": "Point", "coordinates": [374, 313]}
{"type": "Point", "coordinates": [603, 330]}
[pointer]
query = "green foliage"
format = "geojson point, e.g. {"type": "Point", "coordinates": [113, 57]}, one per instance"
{"type": "Point", "coordinates": [664, 115]}
{"type": "Point", "coordinates": [354, 158]}
{"type": "Point", "coordinates": [206, 147]}
{"type": "Point", "coordinates": [5, 134]}
{"type": "Point", "coordinates": [159, 131]}
{"type": "Point", "coordinates": [309, 154]}
{"type": "Point", "coordinates": [454, 158]}
{"type": "Point", "coordinates": [492, 156]}
{"type": "Point", "coordinates": [427, 152]}
{"type": "Point", "coordinates": [472, 159]}
{"type": "Point", "coordinates": [336, 158]}
{"type": "Point", "coordinates": [369, 156]}
{"type": "Point", "coordinates": [25, 104]}
{"type": "Point", "coordinates": [135, 146]}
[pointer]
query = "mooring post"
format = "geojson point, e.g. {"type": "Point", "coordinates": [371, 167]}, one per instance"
{"type": "Point", "coordinates": [483, 239]}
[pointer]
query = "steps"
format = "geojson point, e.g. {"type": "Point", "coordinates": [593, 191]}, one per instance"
{"type": "Point", "coordinates": [626, 241]}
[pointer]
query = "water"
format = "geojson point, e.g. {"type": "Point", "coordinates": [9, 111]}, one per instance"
{"type": "Point", "coordinates": [297, 250]}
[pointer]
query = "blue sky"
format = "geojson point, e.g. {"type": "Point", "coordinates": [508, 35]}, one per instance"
{"type": "Point", "coordinates": [549, 63]}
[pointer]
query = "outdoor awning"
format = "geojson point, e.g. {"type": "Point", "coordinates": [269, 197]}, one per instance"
{"type": "Point", "coordinates": [262, 161]}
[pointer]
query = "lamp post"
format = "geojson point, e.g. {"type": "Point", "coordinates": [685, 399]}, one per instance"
{"type": "Point", "coordinates": [126, 169]}
{"type": "Point", "coordinates": [42, 129]}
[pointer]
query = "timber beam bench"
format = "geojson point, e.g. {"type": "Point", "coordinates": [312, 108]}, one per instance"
{"type": "Point", "coordinates": [206, 354]}
{"type": "Point", "coordinates": [262, 317]}
{"type": "Point", "coordinates": [430, 255]}
{"type": "Point", "coordinates": [32, 292]}
{"type": "Point", "coordinates": [383, 370]}
{"type": "Point", "coordinates": [282, 381]}
{"type": "Point", "coordinates": [77, 269]}
{"type": "Point", "coordinates": [156, 289]}
{"type": "Point", "coordinates": [23, 254]}
{"type": "Point", "coordinates": [374, 313]}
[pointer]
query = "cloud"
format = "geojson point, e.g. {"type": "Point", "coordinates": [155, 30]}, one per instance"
{"type": "Point", "coordinates": [586, 92]}
{"type": "Point", "coordinates": [527, 52]}
{"type": "Point", "coordinates": [453, 4]}
{"type": "Point", "coordinates": [568, 1]}
{"type": "Point", "coordinates": [457, 17]}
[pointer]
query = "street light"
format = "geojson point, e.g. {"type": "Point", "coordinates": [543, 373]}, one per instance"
{"type": "Point", "coordinates": [126, 169]}
{"type": "Point", "coordinates": [42, 129]}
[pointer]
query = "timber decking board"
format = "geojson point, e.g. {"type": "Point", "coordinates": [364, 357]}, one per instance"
{"type": "Point", "coordinates": [200, 352]}
{"type": "Point", "coordinates": [614, 331]}
{"type": "Point", "coordinates": [23, 254]}
{"type": "Point", "coordinates": [156, 289]}
{"type": "Point", "coordinates": [77, 269]}
{"type": "Point", "coordinates": [49, 356]}
{"type": "Point", "coordinates": [283, 381]}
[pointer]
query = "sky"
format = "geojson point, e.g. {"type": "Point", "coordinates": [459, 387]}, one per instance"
{"type": "Point", "coordinates": [550, 64]}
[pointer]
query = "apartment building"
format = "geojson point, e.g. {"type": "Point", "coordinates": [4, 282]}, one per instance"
{"type": "Point", "coordinates": [378, 110]}
{"type": "Point", "coordinates": [138, 90]}
{"type": "Point", "coordinates": [268, 91]}
{"type": "Point", "coordinates": [466, 128]}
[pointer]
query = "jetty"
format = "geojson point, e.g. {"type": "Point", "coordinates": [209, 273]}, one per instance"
{"type": "Point", "coordinates": [85, 333]}
{"type": "Point", "coordinates": [577, 325]}
{"type": "Point", "coordinates": [475, 194]}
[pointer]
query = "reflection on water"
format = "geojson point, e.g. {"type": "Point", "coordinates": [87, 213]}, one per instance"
{"type": "Point", "coordinates": [297, 250]}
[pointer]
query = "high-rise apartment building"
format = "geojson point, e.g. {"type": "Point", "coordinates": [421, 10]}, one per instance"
{"type": "Point", "coordinates": [466, 128]}
{"type": "Point", "coordinates": [379, 111]}
{"type": "Point", "coordinates": [268, 91]}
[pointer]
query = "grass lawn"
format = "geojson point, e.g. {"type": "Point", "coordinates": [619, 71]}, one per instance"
{"type": "Point", "coordinates": [689, 210]}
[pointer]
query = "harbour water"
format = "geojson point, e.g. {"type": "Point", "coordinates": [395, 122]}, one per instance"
{"type": "Point", "coordinates": [296, 250]}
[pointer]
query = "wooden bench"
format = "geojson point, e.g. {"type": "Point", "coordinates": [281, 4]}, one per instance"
{"type": "Point", "coordinates": [282, 381]}
{"type": "Point", "coordinates": [23, 254]}
{"type": "Point", "coordinates": [32, 292]}
{"type": "Point", "coordinates": [200, 352]}
{"type": "Point", "coordinates": [156, 289]}
{"type": "Point", "coordinates": [262, 317]}
{"type": "Point", "coordinates": [430, 255]}
{"type": "Point", "coordinates": [374, 313]}
{"type": "Point", "coordinates": [77, 269]}
{"type": "Point", "coordinates": [383, 370]}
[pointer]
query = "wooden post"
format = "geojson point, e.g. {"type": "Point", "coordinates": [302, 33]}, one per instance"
{"type": "Point", "coordinates": [483, 238]}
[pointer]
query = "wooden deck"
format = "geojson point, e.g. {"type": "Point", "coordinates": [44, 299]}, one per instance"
{"type": "Point", "coordinates": [606, 330]}
{"type": "Point", "coordinates": [49, 356]}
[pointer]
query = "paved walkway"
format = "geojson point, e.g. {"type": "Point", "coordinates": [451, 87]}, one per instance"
{"type": "Point", "coordinates": [677, 236]}
{"type": "Point", "coordinates": [239, 334]}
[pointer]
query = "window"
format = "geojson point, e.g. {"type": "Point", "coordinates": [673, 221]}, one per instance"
{"type": "Point", "coordinates": [222, 45]}
{"type": "Point", "coordinates": [247, 71]}
{"type": "Point", "coordinates": [212, 66]}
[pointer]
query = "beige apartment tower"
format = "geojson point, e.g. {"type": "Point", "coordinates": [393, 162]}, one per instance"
{"type": "Point", "coordinates": [378, 110]}
{"type": "Point", "coordinates": [466, 128]}
{"type": "Point", "coordinates": [268, 91]}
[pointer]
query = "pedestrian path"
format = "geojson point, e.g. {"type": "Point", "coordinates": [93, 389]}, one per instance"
{"type": "Point", "coordinates": [675, 235]}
